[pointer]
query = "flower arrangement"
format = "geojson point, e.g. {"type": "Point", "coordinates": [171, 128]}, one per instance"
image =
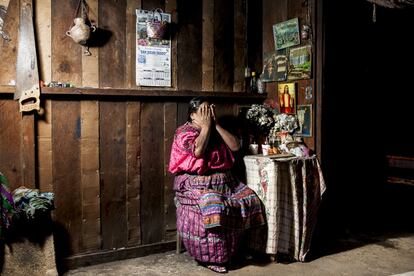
{"type": "Point", "coordinates": [270, 122]}
{"type": "Point", "coordinates": [284, 123]}
{"type": "Point", "coordinates": [261, 116]}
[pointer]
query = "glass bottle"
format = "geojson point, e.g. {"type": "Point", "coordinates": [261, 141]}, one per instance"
{"type": "Point", "coordinates": [247, 77]}
{"type": "Point", "coordinates": [253, 83]}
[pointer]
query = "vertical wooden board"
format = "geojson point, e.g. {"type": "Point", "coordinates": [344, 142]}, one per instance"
{"type": "Point", "coordinates": [255, 33]}
{"type": "Point", "coordinates": [66, 54]}
{"type": "Point", "coordinates": [133, 172]}
{"type": "Point", "coordinates": [8, 49]}
{"type": "Point", "coordinates": [270, 18]}
{"type": "Point", "coordinates": [112, 63]}
{"type": "Point", "coordinates": [43, 22]}
{"type": "Point", "coordinates": [240, 45]}
{"type": "Point", "coordinates": [89, 168]}
{"type": "Point", "coordinates": [44, 124]}
{"type": "Point", "coordinates": [152, 168]}
{"type": "Point", "coordinates": [89, 145]}
{"type": "Point", "coordinates": [131, 45]}
{"type": "Point", "coordinates": [171, 7]}
{"type": "Point", "coordinates": [223, 45]}
{"type": "Point", "coordinates": [27, 151]}
{"type": "Point", "coordinates": [189, 45]}
{"type": "Point", "coordinates": [182, 109]}
{"type": "Point", "coordinates": [44, 148]}
{"type": "Point", "coordinates": [113, 174]}
{"type": "Point", "coordinates": [170, 122]}
{"type": "Point", "coordinates": [90, 64]}
{"type": "Point", "coordinates": [297, 8]}
{"type": "Point", "coordinates": [66, 133]}
{"type": "Point", "coordinates": [208, 46]}
{"type": "Point", "coordinates": [10, 125]}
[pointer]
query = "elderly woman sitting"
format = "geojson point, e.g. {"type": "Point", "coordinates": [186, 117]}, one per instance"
{"type": "Point", "coordinates": [213, 207]}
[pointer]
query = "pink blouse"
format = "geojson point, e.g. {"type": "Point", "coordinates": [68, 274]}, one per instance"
{"type": "Point", "coordinates": [216, 157]}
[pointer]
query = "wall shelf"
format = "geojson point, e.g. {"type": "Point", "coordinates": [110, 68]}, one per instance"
{"type": "Point", "coordinates": [60, 92]}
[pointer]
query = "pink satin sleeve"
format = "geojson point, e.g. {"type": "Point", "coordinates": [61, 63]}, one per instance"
{"type": "Point", "coordinates": [182, 159]}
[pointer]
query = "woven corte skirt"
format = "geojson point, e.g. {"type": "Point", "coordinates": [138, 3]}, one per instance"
{"type": "Point", "coordinates": [212, 213]}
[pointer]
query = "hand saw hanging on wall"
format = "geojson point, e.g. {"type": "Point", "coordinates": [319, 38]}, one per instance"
{"type": "Point", "coordinates": [27, 74]}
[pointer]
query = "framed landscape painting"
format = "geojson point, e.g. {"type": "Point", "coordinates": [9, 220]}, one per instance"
{"type": "Point", "coordinates": [286, 34]}
{"type": "Point", "coordinates": [300, 63]}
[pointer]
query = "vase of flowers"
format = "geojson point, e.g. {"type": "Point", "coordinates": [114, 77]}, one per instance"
{"type": "Point", "coordinates": [261, 121]}
{"type": "Point", "coordinates": [283, 127]}
{"type": "Point", "coordinates": [272, 125]}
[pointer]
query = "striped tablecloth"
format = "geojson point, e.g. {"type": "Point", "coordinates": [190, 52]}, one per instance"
{"type": "Point", "coordinates": [291, 189]}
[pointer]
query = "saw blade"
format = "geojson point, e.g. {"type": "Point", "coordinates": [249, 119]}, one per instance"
{"type": "Point", "coordinates": [27, 74]}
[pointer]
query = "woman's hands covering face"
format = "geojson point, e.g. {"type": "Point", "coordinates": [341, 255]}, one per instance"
{"type": "Point", "coordinates": [203, 116]}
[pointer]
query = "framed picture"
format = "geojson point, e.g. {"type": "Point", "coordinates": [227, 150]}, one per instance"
{"type": "Point", "coordinates": [286, 34]}
{"type": "Point", "coordinates": [300, 63]}
{"type": "Point", "coordinates": [287, 97]}
{"type": "Point", "coordinates": [269, 67]}
{"type": "Point", "coordinates": [304, 113]}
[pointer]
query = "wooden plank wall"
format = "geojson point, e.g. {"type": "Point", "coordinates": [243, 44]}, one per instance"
{"type": "Point", "coordinates": [288, 9]}
{"type": "Point", "coordinates": [107, 160]}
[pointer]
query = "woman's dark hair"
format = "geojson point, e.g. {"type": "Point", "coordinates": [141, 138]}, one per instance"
{"type": "Point", "coordinates": [194, 105]}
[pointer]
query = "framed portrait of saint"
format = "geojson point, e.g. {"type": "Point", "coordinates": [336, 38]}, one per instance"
{"type": "Point", "coordinates": [287, 97]}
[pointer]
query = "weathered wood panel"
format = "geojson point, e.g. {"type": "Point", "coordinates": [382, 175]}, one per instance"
{"type": "Point", "coordinates": [170, 125]}
{"type": "Point", "coordinates": [132, 5]}
{"type": "Point", "coordinates": [208, 46]}
{"type": "Point", "coordinates": [66, 127]}
{"type": "Point", "coordinates": [66, 54]}
{"type": "Point", "coordinates": [255, 32]}
{"type": "Point", "coordinates": [8, 49]}
{"type": "Point", "coordinates": [223, 45]}
{"type": "Point", "coordinates": [89, 150]}
{"type": "Point", "coordinates": [240, 45]}
{"type": "Point", "coordinates": [66, 131]}
{"type": "Point", "coordinates": [44, 123]}
{"type": "Point", "coordinates": [90, 183]}
{"type": "Point", "coordinates": [152, 172]}
{"type": "Point", "coordinates": [27, 151]}
{"type": "Point", "coordinates": [112, 55]}
{"type": "Point", "coordinates": [113, 174]}
{"type": "Point", "coordinates": [10, 124]}
{"type": "Point", "coordinates": [113, 127]}
{"type": "Point", "coordinates": [133, 171]}
{"type": "Point", "coordinates": [189, 45]}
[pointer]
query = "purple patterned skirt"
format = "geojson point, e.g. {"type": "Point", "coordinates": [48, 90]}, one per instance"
{"type": "Point", "coordinates": [212, 212]}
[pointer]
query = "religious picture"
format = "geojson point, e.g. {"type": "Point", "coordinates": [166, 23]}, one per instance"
{"type": "Point", "coordinates": [300, 63]}
{"type": "Point", "coordinates": [287, 97]}
{"type": "Point", "coordinates": [304, 113]}
{"type": "Point", "coordinates": [286, 34]}
{"type": "Point", "coordinates": [269, 67]}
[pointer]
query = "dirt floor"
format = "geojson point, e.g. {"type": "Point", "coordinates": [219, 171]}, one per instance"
{"type": "Point", "coordinates": [356, 255]}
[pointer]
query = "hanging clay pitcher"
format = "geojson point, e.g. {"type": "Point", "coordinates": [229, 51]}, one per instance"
{"type": "Point", "coordinates": [80, 32]}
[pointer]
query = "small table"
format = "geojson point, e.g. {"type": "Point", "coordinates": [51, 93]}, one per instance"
{"type": "Point", "coordinates": [291, 189]}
